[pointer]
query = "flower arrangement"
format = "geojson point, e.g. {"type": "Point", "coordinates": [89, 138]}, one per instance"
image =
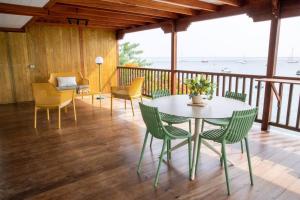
{"type": "Point", "coordinates": [199, 86]}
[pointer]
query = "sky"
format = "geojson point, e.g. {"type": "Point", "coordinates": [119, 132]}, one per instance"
{"type": "Point", "coordinates": [236, 36]}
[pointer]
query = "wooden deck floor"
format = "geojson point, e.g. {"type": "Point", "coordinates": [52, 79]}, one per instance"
{"type": "Point", "coordinates": [96, 158]}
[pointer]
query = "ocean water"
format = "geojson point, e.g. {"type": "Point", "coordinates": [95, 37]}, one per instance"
{"type": "Point", "coordinates": [255, 66]}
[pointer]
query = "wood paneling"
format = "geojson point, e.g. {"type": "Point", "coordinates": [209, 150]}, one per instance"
{"type": "Point", "coordinates": [52, 49]}
{"type": "Point", "coordinates": [100, 43]}
{"type": "Point", "coordinates": [6, 95]}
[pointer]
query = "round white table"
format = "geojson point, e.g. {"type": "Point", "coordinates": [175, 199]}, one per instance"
{"type": "Point", "coordinates": [218, 107]}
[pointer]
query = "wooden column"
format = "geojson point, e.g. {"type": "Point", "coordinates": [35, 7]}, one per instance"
{"type": "Point", "coordinates": [271, 66]}
{"type": "Point", "coordinates": [173, 60]}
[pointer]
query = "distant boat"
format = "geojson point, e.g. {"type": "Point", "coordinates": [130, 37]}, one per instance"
{"type": "Point", "coordinates": [242, 61]}
{"type": "Point", "coordinates": [226, 70]}
{"type": "Point", "coordinates": [298, 73]}
{"type": "Point", "coordinates": [291, 58]}
{"type": "Point", "coordinates": [204, 61]}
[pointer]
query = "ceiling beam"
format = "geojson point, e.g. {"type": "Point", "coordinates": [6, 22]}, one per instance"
{"type": "Point", "coordinates": [69, 25]}
{"type": "Point", "coordinates": [67, 10]}
{"type": "Point", "coordinates": [93, 20]}
{"type": "Point", "coordinates": [150, 4]}
{"type": "Point", "coordinates": [4, 29]}
{"type": "Point", "coordinates": [122, 8]}
{"type": "Point", "coordinates": [236, 3]}
{"type": "Point", "coordinates": [195, 4]}
{"type": "Point", "coordinates": [22, 10]}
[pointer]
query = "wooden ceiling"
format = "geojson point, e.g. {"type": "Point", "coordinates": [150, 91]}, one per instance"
{"type": "Point", "coordinates": [133, 15]}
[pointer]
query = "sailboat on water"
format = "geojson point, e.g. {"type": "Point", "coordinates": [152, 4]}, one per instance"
{"type": "Point", "coordinates": [291, 58]}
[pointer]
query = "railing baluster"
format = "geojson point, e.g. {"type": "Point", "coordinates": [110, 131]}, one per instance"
{"type": "Point", "coordinates": [236, 84]}
{"type": "Point", "coordinates": [230, 80]}
{"type": "Point", "coordinates": [218, 85]}
{"type": "Point", "coordinates": [178, 80]}
{"type": "Point", "coordinates": [250, 91]}
{"type": "Point", "coordinates": [182, 80]}
{"type": "Point", "coordinates": [258, 94]}
{"type": "Point", "coordinates": [289, 104]}
{"type": "Point", "coordinates": [298, 115]}
{"type": "Point", "coordinates": [244, 85]}
{"type": "Point", "coordinates": [279, 103]}
{"type": "Point", "coordinates": [223, 85]}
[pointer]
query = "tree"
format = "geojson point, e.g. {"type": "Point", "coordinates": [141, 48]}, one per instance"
{"type": "Point", "coordinates": [129, 55]}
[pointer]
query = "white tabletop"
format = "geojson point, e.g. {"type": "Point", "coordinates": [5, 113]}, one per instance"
{"type": "Point", "coordinates": [218, 107]}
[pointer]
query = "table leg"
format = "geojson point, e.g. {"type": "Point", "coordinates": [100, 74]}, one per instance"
{"type": "Point", "coordinates": [196, 143]}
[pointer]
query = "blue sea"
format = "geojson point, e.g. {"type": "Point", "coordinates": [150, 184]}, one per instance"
{"type": "Point", "coordinates": [238, 65]}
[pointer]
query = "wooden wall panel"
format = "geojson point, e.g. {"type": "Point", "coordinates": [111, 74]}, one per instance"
{"type": "Point", "coordinates": [53, 49]}
{"type": "Point", "coordinates": [19, 63]}
{"type": "Point", "coordinates": [100, 43]}
{"type": "Point", "coordinates": [6, 94]}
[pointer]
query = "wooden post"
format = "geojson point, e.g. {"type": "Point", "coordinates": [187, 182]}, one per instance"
{"type": "Point", "coordinates": [173, 59]}
{"type": "Point", "coordinates": [271, 66]}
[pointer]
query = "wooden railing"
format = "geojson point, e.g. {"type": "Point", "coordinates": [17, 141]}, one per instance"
{"type": "Point", "coordinates": [282, 115]}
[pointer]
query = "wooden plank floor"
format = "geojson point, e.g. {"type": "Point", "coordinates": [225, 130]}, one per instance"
{"type": "Point", "coordinates": [96, 158]}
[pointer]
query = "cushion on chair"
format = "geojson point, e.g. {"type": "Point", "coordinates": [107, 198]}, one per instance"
{"type": "Point", "coordinates": [66, 81]}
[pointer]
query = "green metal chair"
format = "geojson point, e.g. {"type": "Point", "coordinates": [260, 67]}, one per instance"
{"type": "Point", "coordinates": [169, 119]}
{"type": "Point", "coordinates": [237, 130]}
{"type": "Point", "coordinates": [155, 127]}
{"type": "Point", "coordinates": [224, 122]}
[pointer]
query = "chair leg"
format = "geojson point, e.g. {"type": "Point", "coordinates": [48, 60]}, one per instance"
{"type": "Point", "coordinates": [202, 126]}
{"type": "Point", "coordinates": [190, 125]}
{"type": "Point", "coordinates": [159, 163]}
{"type": "Point", "coordinates": [132, 107]}
{"type": "Point", "coordinates": [249, 160]}
{"type": "Point", "coordinates": [125, 103]}
{"type": "Point", "coordinates": [168, 149]}
{"type": "Point", "coordinates": [242, 147]}
{"type": "Point", "coordinates": [59, 123]}
{"type": "Point", "coordinates": [142, 153]}
{"type": "Point", "coordinates": [111, 104]}
{"type": "Point", "coordinates": [35, 115]}
{"type": "Point", "coordinates": [190, 156]}
{"type": "Point", "coordinates": [48, 114]}
{"type": "Point", "coordinates": [92, 99]}
{"type": "Point", "coordinates": [198, 153]}
{"type": "Point", "coordinates": [74, 109]}
{"type": "Point", "coordinates": [225, 167]}
{"type": "Point", "coordinates": [151, 141]}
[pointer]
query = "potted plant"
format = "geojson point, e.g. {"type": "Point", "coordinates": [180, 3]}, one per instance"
{"type": "Point", "coordinates": [198, 87]}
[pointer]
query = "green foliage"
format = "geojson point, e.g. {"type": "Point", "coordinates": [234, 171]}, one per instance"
{"type": "Point", "coordinates": [199, 86]}
{"type": "Point", "coordinates": [130, 56]}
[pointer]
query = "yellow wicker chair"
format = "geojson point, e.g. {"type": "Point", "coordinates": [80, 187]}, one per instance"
{"type": "Point", "coordinates": [47, 97]}
{"type": "Point", "coordinates": [79, 80]}
{"type": "Point", "coordinates": [134, 91]}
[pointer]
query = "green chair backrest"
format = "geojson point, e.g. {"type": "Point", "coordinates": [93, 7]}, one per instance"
{"type": "Point", "coordinates": [239, 125]}
{"type": "Point", "coordinates": [236, 96]}
{"type": "Point", "coordinates": [160, 93]}
{"type": "Point", "coordinates": [152, 120]}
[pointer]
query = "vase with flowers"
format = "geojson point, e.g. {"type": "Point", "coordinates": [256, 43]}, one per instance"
{"type": "Point", "coordinates": [198, 87]}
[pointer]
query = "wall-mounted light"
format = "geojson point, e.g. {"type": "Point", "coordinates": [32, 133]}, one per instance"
{"type": "Point", "coordinates": [77, 21]}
